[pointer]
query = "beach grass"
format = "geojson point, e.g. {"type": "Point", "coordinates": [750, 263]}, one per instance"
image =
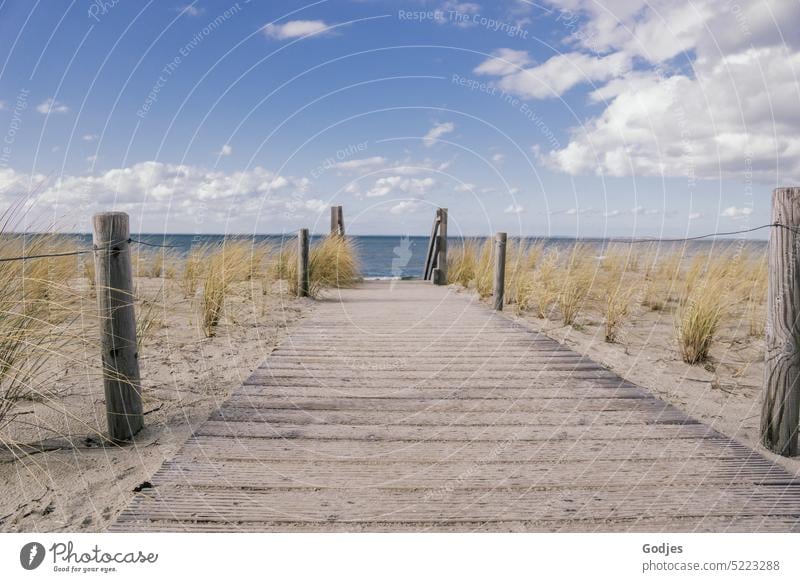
{"type": "Point", "coordinates": [37, 302]}
{"type": "Point", "coordinates": [576, 284]}
{"type": "Point", "coordinates": [462, 262]}
{"type": "Point", "coordinates": [332, 264]}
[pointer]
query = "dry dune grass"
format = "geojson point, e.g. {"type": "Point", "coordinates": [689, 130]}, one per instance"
{"type": "Point", "coordinates": [36, 304]}
{"type": "Point", "coordinates": [220, 268]}
{"type": "Point", "coordinates": [39, 298]}
{"type": "Point", "coordinates": [462, 262]}
{"type": "Point", "coordinates": [578, 284]}
{"type": "Point", "coordinates": [484, 270]}
{"type": "Point", "coordinates": [332, 263]}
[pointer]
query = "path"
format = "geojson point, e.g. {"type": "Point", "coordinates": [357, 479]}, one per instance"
{"type": "Point", "coordinates": [408, 407]}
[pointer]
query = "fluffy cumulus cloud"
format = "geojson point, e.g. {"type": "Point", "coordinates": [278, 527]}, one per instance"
{"type": "Point", "coordinates": [555, 76]}
{"type": "Point", "coordinates": [362, 164]}
{"type": "Point", "coordinates": [400, 185]}
{"type": "Point", "coordinates": [296, 29]}
{"type": "Point", "coordinates": [436, 132]}
{"type": "Point", "coordinates": [50, 105]}
{"type": "Point", "coordinates": [736, 213]}
{"type": "Point", "coordinates": [514, 209]}
{"type": "Point", "coordinates": [411, 206]}
{"type": "Point", "coordinates": [704, 89]}
{"type": "Point", "coordinates": [158, 187]}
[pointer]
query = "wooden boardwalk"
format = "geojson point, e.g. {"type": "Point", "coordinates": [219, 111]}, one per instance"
{"type": "Point", "coordinates": [408, 407]}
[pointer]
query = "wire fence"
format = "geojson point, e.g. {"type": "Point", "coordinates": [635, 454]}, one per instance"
{"type": "Point", "coordinates": [82, 252]}
{"type": "Point", "coordinates": [615, 240]}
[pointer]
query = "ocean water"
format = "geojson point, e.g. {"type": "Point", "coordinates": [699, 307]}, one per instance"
{"type": "Point", "coordinates": [403, 257]}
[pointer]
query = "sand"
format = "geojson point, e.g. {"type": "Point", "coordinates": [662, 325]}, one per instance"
{"type": "Point", "coordinates": [85, 482]}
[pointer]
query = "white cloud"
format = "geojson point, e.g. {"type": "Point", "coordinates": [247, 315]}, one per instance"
{"type": "Point", "coordinates": [91, 159]}
{"type": "Point", "coordinates": [191, 10]}
{"type": "Point", "coordinates": [437, 131]}
{"type": "Point", "coordinates": [407, 207]}
{"type": "Point", "coordinates": [514, 209]}
{"type": "Point", "coordinates": [362, 164]}
{"type": "Point", "coordinates": [726, 109]}
{"type": "Point", "coordinates": [498, 158]}
{"type": "Point", "coordinates": [736, 213]}
{"type": "Point", "coordinates": [3, 106]}
{"type": "Point", "coordinates": [695, 215]}
{"type": "Point", "coordinates": [14, 185]}
{"type": "Point", "coordinates": [154, 188]}
{"type": "Point", "coordinates": [504, 62]}
{"type": "Point", "coordinates": [50, 105]}
{"type": "Point", "coordinates": [226, 150]}
{"type": "Point", "coordinates": [400, 184]}
{"type": "Point", "coordinates": [295, 29]}
{"type": "Point", "coordinates": [611, 213]}
{"type": "Point", "coordinates": [465, 187]}
{"type": "Point", "coordinates": [455, 12]}
{"type": "Point", "coordinates": [555, 76]}
{"type": "Point", "coordinates": [90, 137]}
{"type": "Point", "coordinates": [573, 211]}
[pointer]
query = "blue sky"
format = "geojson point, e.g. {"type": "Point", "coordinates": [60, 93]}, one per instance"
{"type": "Point", "coordinates": [567, 117]}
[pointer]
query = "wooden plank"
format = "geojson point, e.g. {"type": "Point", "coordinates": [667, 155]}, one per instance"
{"type": "Point", "coordinates": [444, 433]}
{"type": "Point", "coordinates": [476, 405]}
{"type": "Point", "coordinates": [461, 391]}
{"type": "Point", "coordinates": [555, 450]}
{"type": "Point", "coordinates": [488, 475]}
{"type": "Point", "coordinates": [450, 418]}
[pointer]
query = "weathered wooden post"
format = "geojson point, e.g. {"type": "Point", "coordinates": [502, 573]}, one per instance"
{"type": "Point", "coordinates": [337, 220]}
{"type": "Point", "coordinates": [302, 263]}
{"type": "Point", "coordinates": [120, 358]}
{"type": "Point", "coordinates": [440, 272]}
{"type": "Point", "coordinates": [780, 414]}
{"type": "Point", "coordinates": [499, 270]}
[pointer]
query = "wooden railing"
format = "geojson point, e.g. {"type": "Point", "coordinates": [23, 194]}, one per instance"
{"type": "Point", "coordinates": [436, 257]}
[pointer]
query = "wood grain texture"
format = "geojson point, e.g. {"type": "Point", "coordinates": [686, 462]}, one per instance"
{"type": "Point", "coordinates": [440, 278]}
{"type": "Point", "coordinates": [337, 221]}
{"type": "Point", "coordinates": [780, 414]}
{"type": "Point", "coordinates": [499, 286]}
{"type": "Point", "coordinates": [303, 283]}
{"type": "Point", "coordinates": [115, 303]}
{"type": "Point", "coordinates": [431, 253]}
{"type": "Point", "coordinates": [404, 406]}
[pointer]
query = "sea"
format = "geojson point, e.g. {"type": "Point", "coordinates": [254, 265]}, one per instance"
{"type": "Point", "coordinates": [403, 257]}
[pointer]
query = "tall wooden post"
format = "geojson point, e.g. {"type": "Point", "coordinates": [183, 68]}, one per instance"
{"type": "Point", "coordinates": [499, 270]}
{"type": "Point", "coordinates": [440, 272]}
{"type": "Point", "coordinates": [120, 358]}
{"type": "Point", "coordinates": [337, 220]}
{"type": "Point", "coordinates": [780, 413]}
{"type": "Point", "coordinates": [302, 263]}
